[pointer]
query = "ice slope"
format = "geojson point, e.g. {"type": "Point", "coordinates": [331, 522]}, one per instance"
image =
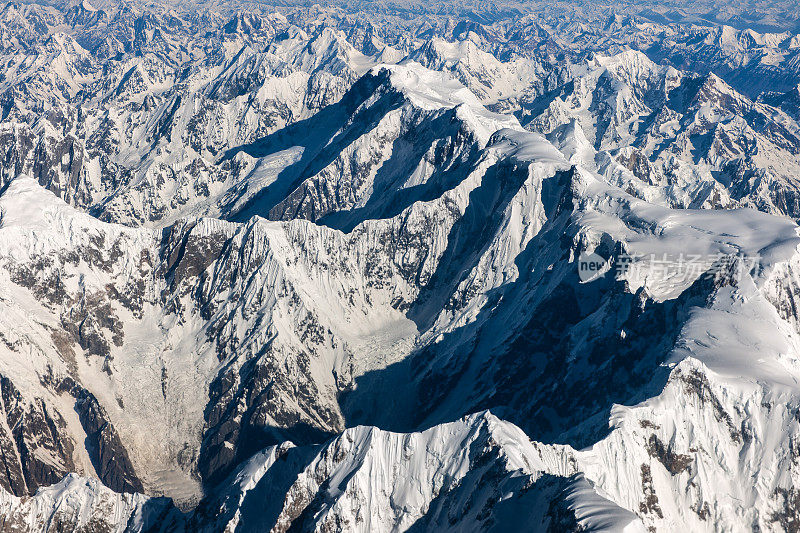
{"type": "Point", "coordinates": [77, 503]}
{"type": "Point", "coordinates": [494, 82]}
{"type": "Point", "coordinates": [401, 134]}
{"type": "Point", "coordinates": [476, 472]}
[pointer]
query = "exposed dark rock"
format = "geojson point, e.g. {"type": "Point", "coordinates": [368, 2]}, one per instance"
{"type": "Point", "coordinates": [675, 463]}
{"type": "Point", "coordinates": [788, 515]}
{"type": "Point", "coordinates": [37, 432]}
{"type": "Point", "coordinates": [697, 384]}
{"type": "Point", "coordinates": [650, 503]}
{"type": "Point", "coordinates": [105, 447]}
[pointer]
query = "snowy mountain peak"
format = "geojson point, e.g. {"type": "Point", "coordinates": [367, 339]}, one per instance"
{"type": "Point", "coordinates": [430, 90]}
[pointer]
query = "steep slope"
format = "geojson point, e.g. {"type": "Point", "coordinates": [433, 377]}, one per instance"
{"type": "Point", "coordinates": [80, 504]}
{"type": "Point", "coordinates": [476, 472]}
{"type": "Point", "coordinates": [752, 62]}
{"type": "Point", "coordinates": [500, 84]}
{"type": "Point", "coordinates": [668, 136]}
{"type": "Point", "coordinates": [402, 134]}
{"type": "Point", "coordinates": [211, 309]}
{"type": "Point", "coordinates": [136, 139]}
{"type": "Point", "coordinates": [699, 366]}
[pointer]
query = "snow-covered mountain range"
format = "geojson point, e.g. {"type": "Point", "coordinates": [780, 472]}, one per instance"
{"type": "Point", "coordinates": [304, 268]}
